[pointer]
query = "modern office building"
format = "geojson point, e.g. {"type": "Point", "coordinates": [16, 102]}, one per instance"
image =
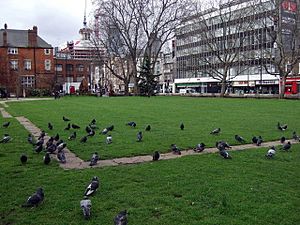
{"type": "Point", "coordinates": [239, 30]}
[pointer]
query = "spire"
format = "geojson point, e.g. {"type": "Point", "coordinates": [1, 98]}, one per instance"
{"type": "Point", "coordinates": [84, 17]}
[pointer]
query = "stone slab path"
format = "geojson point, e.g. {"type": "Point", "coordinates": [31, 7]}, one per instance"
{"type": "Point", "coordinates": [74, 162]}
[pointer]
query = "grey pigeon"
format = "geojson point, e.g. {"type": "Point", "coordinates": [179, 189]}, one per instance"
{"type": "Point", "coordinates": [30, 139]}
{"type": "Point", "coordinates": [131, 124]}
{"type": "Point", "coordinates": [182, 126]}
{"type": "Point", "coordinates": [91, 133]}
{"type": "Point", "coordinates": [83, 139]}
{"type": "Point", "coordinates": [104, 131]}
{"type": "Point", "coordinates": [47, 158]}
{"type": "Point", "coordinates": [175, 149]}
{"type": "Point", "coordinates": [295, 136]}
{"type": "Point", "coordinates": [66, 119]}
{"type": "Point", "coordinates": [38, 148]}
{"type": "Point", "coordinates": [86, 206]}
{"type": "Point", "coordinates": [68, 127]}
{"type": "Point", "coordinates": [6, 138]}
{"type": "Point", "coordinates": [35, 199]}
{"type": "Point", "coordinates": [61, 146]}
{"type": "Point", "coordinates": [51, 148]}
{"type": "Point", "coordinates": [282, 139]}
{"type": "Point", "coordinates": [109, 139]}
{"type": "Point", "coordinates": [225, 154]}
{"type": "Point", "coordinates": [139, 136]}
{"type": "Point", "coordinates": [88, 129]}
{"type": "Point", "coordinates": [61, 156]}
{"type": "Point", "coordinates": [148, 128]}
{"type": "Point", "coordinates": [110, 128]}
{"type": "Point", "coordinates": [50, 126]}
{"type": "Point", "coordinates": [282, 127]}
{"type": "Point", "coordinates": [94, 159]}
{"type": "Point", "coordinates": [254, 140]}
{"type": "Point", "coordinates": [42, 135]}
{"type": "Point", "coordinates": [6, 124]}
{"type": "Point", "coordinates": [259, 141]}
{"type": "Point", "coordinates": [40, 141]}
{"type": "Point", "coordinates": [286, 146]}
{"type": "Point", "coordinates": [92, 187]}
{"type": "Point", "coordinates": [23, 158]}
{"type": "Point", "coordinates": [222, 145]}
{"type": "Point", "coordinates": [121, 218]}
{"type": "Point", "coordinates": [199, 147]}
{"type": "Point", "coordinates": [93, 121]}
{"type": "Point", "coordinates": [74, 126]}
{"type": "Point", "coordinates": [271, 152]}
{"type": "Point", "coordinates": [239, 139]}
{"type": "Point", "coordinates": [156, 156]}
{"type": "Point", "coordinates": [72, 136]}
{"type": "Point", "coordinates": [56, 137]}
{"type": "Point", "coordinates": [216, 131]}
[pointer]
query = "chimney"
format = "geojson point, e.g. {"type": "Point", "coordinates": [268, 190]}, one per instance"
{"type": "Point", "coordinates": [5, 38]}
{"type": "Point", "coordinates": [5, 26]}
{"type": "Point", "coordinates": [32, 37]}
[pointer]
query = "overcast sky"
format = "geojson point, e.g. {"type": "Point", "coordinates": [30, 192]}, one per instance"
{"type": "Point", "coordinates": [58, 21]}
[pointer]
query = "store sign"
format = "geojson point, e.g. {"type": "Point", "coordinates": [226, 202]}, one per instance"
{"type": "Point", "coordinates": [266, 82]}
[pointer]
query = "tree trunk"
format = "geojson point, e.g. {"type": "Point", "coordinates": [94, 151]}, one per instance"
{"type": "Point", "coordinates": [126, 88]}
{"type": "Point", "coordinates": [282, 87]}
{"type": "Point", "coordinates": [223, 88]}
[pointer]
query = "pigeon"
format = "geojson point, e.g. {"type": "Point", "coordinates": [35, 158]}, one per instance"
{"type": "Point", "coordinates": [282, 139]}
{"type": "Point", "coordinates": [40, 142]}
{"type": "Point", "coordinates": [42, 135]}
{"type": "Point", "coordinates": [50, 126]}
{"type": "Point", "coordinates": [92, 187]}
{"type": "Point", "coordinates": [38, 148]}
{"type": "Point", "coordinates": [286, 146]}
{"type": "Point", "coordinates": [30, 139]}
{"type": "Point", "coordinates": [6, 138]}
{"type": "Point", "coordinates": [156, 156]}
{"type": "Point", "coordinates": [6, 124]}
{"type": "Point", "coordinates": [51, 148]}
{"type": "Point", "coordinates": [65, 119]}
{"type": "Point", "coordinates": [199, 147]}
{"type": "Point", "coordinates": [91, 133]}
{"type": "Point", "coordinates": [88, 129]}
{"type": "Point", "coordinates": [35, 199]}
{"type": "Point", "coordinates": [68, 127]}
{"type": "Point", "coordinates": [271, 152]}
{"type": "Point", "coordinates": [110, 128]}
{"type": "Point", "coordinates": [139, 136]}
{"type": "Point", "coordinates": [182, 126]}
{"type": "Point", "coordinates": [295, 136]}
{"type": "Point", "coordinates": [49, 142]}
{"type": "Point", "coordinates": [121, 218]}
{"type": "Point", "coordinates": [72, 136]}
{"type": "Point", "coordinates": [216, 131]}
{"type": "Point", "coordinates": [259, 141]}
{"type": "Point", "coordinates": [239, 139]}
{"type": "Point", "coordinates": [282, 127]}
{"type": "Point", "coordinates": [131, 124]}
{"type": "Point", "coordinates": [222, 145]}
{"type": "Point", "coordinates": [61, 146]}
{"type": "Point", "coordinates": [109, 139]}
{"type": "Point", "coordinates": [61, 156]}
{"type": "Point", "coordinates": [94, 159]}
{"type": "Point", "coordinates": [148, 128]}
{"type": "Point", "coordinates": [74, 126]}
{"type": "Point", "coordinates": [86, 206]}
{"type": "Point", "coordinates": [93, 121]}
{"type": "Point", "coordinates": [56, 137]}
{"type": "Point", "coordinates": [83, 139]}
{"type": "Point", "coordinates": [225, 154]}
{"type": "Point", "coordinates": [93, 126]}
{"type": "Point", "coordinates": [47, 158]}
{"type": "Point", "coordinates": [175, 149]}
{"type": "Point", "coordinates": [104, 131]}
{"type": "Point", "coordinates": [23, 158]}
{"type": "Point", "coordinates": [254, 140]}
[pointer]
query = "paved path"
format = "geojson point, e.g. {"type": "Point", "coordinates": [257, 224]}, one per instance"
{"type": "Point", "coordinates": [74, 162]}
{"type": "Point", "coordinates": [4, 113]}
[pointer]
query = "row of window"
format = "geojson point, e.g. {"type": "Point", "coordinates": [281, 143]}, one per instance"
{"type": "Point", "coordinates": [27, 64]}
{"type": "Point", "coordinates": [70, 68]}
{"type": "Point", "coordinates": [15, 51]}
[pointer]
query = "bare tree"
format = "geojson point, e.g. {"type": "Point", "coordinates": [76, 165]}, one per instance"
{"type": "Point", "coordinates": [222, 32]}
{"type": "Point", "coordinates": [134, 29]}
{"type": "Point", "coordinates": [282, 26]}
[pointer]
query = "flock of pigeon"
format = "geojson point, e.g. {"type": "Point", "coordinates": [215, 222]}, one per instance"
{"type": "Point", "coordinates": [56, 145]}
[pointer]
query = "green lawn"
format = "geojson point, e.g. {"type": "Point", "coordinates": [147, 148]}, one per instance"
{"type": "Point", "coordinates": [246, 117]}
{"type": "Point", "coordinates": [200, 189]}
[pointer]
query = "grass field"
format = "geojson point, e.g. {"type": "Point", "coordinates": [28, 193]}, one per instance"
{"type": "Point", "coordinates": [246, 117]}
{"type": "Point", "coordinates": [200, 189]}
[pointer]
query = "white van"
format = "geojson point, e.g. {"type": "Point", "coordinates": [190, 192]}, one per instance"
{"type": "Point", "coordinates": [187, 91]}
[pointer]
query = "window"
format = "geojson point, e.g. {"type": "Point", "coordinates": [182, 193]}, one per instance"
{"type": "Point", "coordinates": [14, 64]}
{"type": "Point", "coordinates": [59, 67]}
{"type": "Point", "coordinates": [27, 64]}
{"type": "Point", "coordinates": [12, 51]}
{"type": "Point", "coordinates": [47, 51]}
{"type": "Point", "coordinates": [27, 81]}
{"type": "Point", "coordinates": [47, 64]}
{"type": "Point", "coordinates": [80, 67]}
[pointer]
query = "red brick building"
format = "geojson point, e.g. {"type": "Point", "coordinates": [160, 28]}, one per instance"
{"type": "Point", "coordinates": [26, 61]}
